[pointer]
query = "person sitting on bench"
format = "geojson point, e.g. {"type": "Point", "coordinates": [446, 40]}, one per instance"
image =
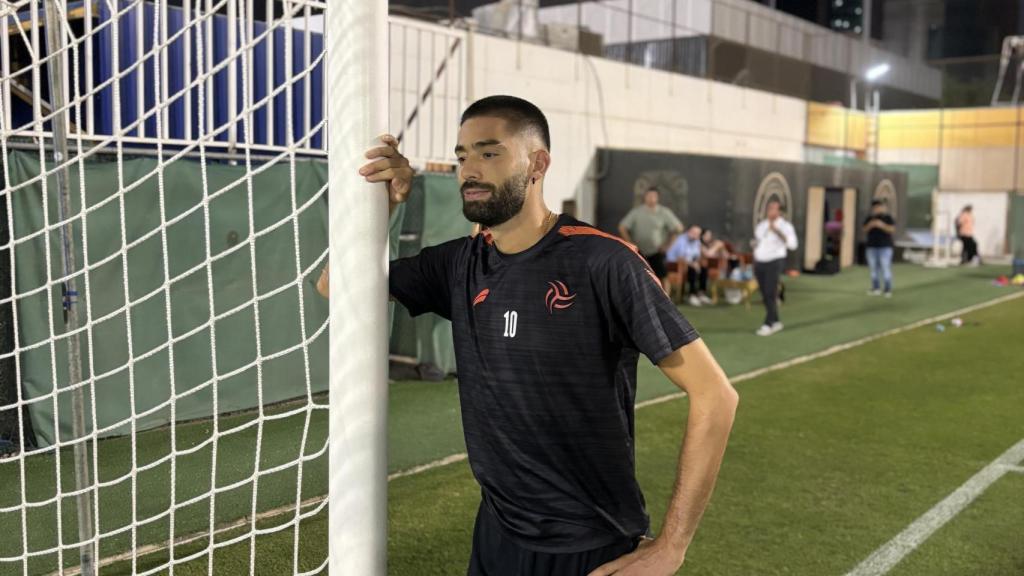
{"type": "Point", "coordinates": [688, 249]}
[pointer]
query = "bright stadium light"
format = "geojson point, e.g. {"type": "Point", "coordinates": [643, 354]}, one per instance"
{"type": "Point", "coordinates": [876, 72]}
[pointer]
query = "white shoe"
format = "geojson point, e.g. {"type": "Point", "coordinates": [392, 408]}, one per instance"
{"type": "Point", "coordinates": [777, 327]}
{"type": "Point", "coordinates": [693, 301]}
{"type": "Point", "coordinates": [765, 330]}
{"type": "Point", "coordinates": [875, 292]}
{"type": "Point", "coordinates": [704, 299]}
{"type": "Point", "coordinates": [888, 294]}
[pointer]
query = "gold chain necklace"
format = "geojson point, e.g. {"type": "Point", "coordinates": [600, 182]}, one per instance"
{"type": "Point", "coordinates": [549, 222]}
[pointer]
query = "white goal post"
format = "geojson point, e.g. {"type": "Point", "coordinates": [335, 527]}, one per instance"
{"type": "Point", "coordinates": [174, 394]}
{"type": "Point", "coordinates": [358, 73]}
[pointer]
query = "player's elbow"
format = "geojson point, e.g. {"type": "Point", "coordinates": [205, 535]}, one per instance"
{"type": "Point", "coordinates": [723, 403]}
{"type": "Point", "coordinates": [728, 399]}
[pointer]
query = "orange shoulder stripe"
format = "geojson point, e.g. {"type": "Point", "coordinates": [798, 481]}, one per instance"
{"type": "Point", "coordinates": [588, 231]}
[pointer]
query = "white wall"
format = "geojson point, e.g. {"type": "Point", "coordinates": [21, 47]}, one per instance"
{"type": "Point", "coordinates": [932, 156]}
{"type": "Point", "coordinates": [990, 217]}
{"type": "Point", "coordinates": [596, 103]}
{"type": "Point", "coordinates": [968, 169]}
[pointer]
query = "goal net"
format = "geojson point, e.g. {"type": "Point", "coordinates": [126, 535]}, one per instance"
{"type": "Point", "coordinates": [163, 349]}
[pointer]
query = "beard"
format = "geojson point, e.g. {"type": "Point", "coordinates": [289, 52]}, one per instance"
{"type": "Point", "coordinates": [504, 202]}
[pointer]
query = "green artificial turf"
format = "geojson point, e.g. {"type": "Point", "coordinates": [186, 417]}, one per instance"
{"type": "Point", "coordinates": [827, 462]}
{"type": "Point", "coordinates": [986, 538]}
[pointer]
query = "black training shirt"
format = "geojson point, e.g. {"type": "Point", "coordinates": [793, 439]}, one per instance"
{"type": "Point", "coordinates": [878, 238]}
{"type": "Point", "coordinates": [546, 344]}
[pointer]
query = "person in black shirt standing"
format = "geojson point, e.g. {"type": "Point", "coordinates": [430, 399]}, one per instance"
{"type": "Point", "coordinates": [879, 227]}
{"type": "Point", "coordinates": [549, 318]}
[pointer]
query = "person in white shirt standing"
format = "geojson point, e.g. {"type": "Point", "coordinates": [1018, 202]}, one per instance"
{"type": "Point", "coordinates": [773, 236]}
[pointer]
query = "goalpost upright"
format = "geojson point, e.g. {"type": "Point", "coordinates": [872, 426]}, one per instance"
{"type": "Point", "coordinates": [178, 228]}
{"type": "Point", "coordinates": [357, 87]}
{"type": "Point", "coordinates": [58, 122]}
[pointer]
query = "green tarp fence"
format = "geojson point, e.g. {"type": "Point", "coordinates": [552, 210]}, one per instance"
{"type": "Point", "coordinates": [186, 302]}
{"type": "Point", "coordinates": [433, 216]}
{"type": "Point", "coordinates": [182, 312]}
{"type": "Point", "coordinates": [921, 180]}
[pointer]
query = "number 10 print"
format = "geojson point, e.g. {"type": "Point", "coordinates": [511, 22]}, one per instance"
{"type": "Point", "coordinates": [511, 320]}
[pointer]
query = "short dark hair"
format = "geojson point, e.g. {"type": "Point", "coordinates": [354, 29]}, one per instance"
{"type": "Point", "coordinates": [652, 189]}
{"type": "Point", "coordinates": [520, 114]}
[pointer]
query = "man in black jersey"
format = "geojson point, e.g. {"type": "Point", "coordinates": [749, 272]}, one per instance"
{"type": "Point", "coordinates": [549, 318]}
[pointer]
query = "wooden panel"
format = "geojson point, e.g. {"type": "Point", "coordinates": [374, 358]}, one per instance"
{"type": "Point", "coordinates": [815, 225]}
{"type": "Point", "coordinates": [849, 223]}
{"type": "Point", "coordinates": [836, 127]}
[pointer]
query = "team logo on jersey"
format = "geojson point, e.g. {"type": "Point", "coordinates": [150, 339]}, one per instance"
{"type": "Point", "coordinates": [481, 296]}
{"type": "Point", "coordinates": [558, 297]}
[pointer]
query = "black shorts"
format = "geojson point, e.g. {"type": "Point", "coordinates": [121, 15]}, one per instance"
{"type": "Point", "coordinates": [657, 262]}
{"type": "Point", "coordinates": [495, 554]}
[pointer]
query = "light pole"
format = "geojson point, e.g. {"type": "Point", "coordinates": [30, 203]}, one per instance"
{"type": "Point", "coordinates": [872, 75]}
{"type": "Point", "coordinates": [872, 101]}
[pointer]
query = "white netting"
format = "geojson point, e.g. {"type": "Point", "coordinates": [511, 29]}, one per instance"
{"type": "Point", "coordinates": [163, 352]}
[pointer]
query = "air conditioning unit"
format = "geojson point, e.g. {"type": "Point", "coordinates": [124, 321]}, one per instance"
{"type": "Point", "coordinates": [512, 18]}
{"type": "Point", "coordinates": [571, 37]}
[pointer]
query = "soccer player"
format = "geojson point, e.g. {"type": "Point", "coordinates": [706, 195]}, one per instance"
{"type": "Point", "coordinates": [549, 318]}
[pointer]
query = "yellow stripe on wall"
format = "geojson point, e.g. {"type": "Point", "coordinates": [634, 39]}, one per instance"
{"type": "Point", "coordinates": [834, 126]}
{"type": "Point", "coordinates": [960, 128]}
{"type": "Point", "coordinates": [918, 129]}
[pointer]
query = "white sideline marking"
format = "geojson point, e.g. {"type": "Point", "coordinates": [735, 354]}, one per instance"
{"type": "Point", "coordinates": [892, 552]}
{"type": "Point", "coordinates": [189, 538]}
{"type": "Point", "coordinates": [1014, 469]}
{"type": "Point", "coordinates": [429, 466]}
{"type": "Point", "coordinates": [841, 347]}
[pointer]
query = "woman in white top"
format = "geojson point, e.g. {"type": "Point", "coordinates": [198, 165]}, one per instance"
{"type": "Point", "coordinates": [774, 237]}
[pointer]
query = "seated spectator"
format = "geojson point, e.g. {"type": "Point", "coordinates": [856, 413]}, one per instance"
{"type": "Point", "coordinates": [687, 249]}
{"type": "Point", "coordinates": [712, 247]}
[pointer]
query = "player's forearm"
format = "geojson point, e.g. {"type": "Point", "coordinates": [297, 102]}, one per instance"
{"type": "Point", "coordinates": [323, 283]}
{"type": "Point", "coordinates": [624, 232]}
{"type": "Point", "coordinates": [707, 433]}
